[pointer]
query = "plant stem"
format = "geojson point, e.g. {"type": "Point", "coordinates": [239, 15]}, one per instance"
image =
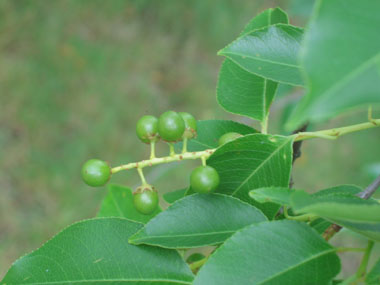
{"type": "Point", "coordinates": [345, 249]}
{"type": "Point", "coordinates": [166, 159]}
{"type": "Point", "coordinates": [184, 145]}
{"type": "Point", "coordinates": [142, 177]}
{"type": "Point", "coordinates": [264, 125]}
{"type": "Point", "coordinates": [362, 270]}
{"type": "Point", "coordinates": [152, 149]}
{"type": "Point", "coordinates": [203, 158]}
{"type": "Point", "coordinates": [197, 264]}
{"type": "Point", "coordinates": [337, 132]}
{"type": "Point", "coordinates": [171, 149]}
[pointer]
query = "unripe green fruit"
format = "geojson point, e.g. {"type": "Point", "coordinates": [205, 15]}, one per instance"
{"type": "Point", "coordinates": [96, 172]}
{"type": "Point", "coordinates": [228, 137]}
{"type": "Point", "coordinates": [204, 179]}
{"type": "Point", "coordinates": [145, 199]}
{"type": "Point", "coordinates": [147, 129]}
{"type": "Point", "coordinates": [190, 125]}
{"type": "Point", "coordinates": [171, 126]}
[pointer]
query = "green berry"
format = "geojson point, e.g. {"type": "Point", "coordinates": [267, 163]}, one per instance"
{"type": "Point", "coordinates": [147, 129]}
{"type": "Point", "coordinates": [145, 199]}
{"type": "Point", "coordinates": [171, 126]}
{"type": "Point", "coordinates": [96, 172]}
{"type": "Point", "coordinates": [190, 125]}
{"type": "Point", "coordinates": [204, 179]}
{"type": "Point", "coordinates": [228, 137]}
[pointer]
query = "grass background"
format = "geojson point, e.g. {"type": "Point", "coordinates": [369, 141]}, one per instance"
{"type": "Point", "coordinates": [76, 75]}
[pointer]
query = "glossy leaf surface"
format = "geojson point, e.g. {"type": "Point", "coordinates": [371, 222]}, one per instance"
{"type": "Point", "coordinates": [97, 252]}
{"type": "Point", "coordinates": [362, 216]}
{"type": "Point", "coordinates": [198, 220]}
{"type": "Point", "coordinates": [341, 58]}
{"type": "Point", "coordinates": [251, 162]}
{"type": "Point", "coordinates": [280, 252]}
{"type": "Point", "coordinates": [119, 203]}
{"type": "Point", "coordinates": [271, 52]}
{"type": "Point", "coordinates": [242, 92]}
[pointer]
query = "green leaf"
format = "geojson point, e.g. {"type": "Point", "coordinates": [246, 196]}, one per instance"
{"type": "Point", "coordinates": [362, 216]}
{"type": "Point", "coordinates": [270, 52]}
{"type": "Point", "coordinates": [251, 162]}
{"type": "Point", "coordinates": [373, 277]}
{"type": "Point", "coordinates": [96, 251]}
{"type": "Point", "coordinates": [268, 17]}
{"type": "Point", "coordinates": [173, 196]}
{"type": "Point", "coordinates": [280, 252]}
{"type": "Point", "coordinates": [119, 203]}
{"type": "Point", "coordinates": [278, 195]}
{"type": "Point", "coordinates": [341, 58]}
{"type": "Point", "coordinates": [241, 92]}
{"type": "Point", "coordinates": [209, 132]}
{"type": "Point", "coordinates": [281, 195]}
{"type": "Point", "coordinates": [198, 220]}
{"type": "Point", "coordinates": [320, 225]}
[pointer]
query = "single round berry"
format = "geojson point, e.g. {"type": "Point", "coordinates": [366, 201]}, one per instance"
{"type": "Point", "coordinates": [96, 172]}
{"type": "Point", "coordinates": [190, 125]}
{"type": "Point", "coordinates": [147, 129]}
{"type": "Point", "coordinates": [204, 179]}
{"type": "Point", "coordinates": [145, 199]}
{"type": "Point", "coordinates": [228, 137]}
{"type": "Point", "coordinates": [171, 126]}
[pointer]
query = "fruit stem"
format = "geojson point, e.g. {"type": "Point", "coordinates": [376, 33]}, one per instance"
{"type": "Point", "coordinates": [152, 149]}
{"type": "Point", "coordinates": [142, 177]}
{"type": "Point", "coordinates": [171, 149]}
{"type": "Point", "coordinates": [184, 146]}
{"type": "Point", "coordinates": [203, 158]}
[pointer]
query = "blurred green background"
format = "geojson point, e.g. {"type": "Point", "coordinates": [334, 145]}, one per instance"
{"type": "Point", "coordinates": [76, 75]}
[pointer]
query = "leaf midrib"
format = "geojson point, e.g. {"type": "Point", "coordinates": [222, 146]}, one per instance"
{"type": "Point", "coordinates": [110, 280]}
{"type": "Point", "coordinates": [258, 59]}
{"type": "Point", "coordinates": [298, 264]}
{"type": "Point", "coordinates": [261, 164]}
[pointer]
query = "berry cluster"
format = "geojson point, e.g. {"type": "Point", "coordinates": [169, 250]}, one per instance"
{"type": "Point", "coordinates": [170, 127]}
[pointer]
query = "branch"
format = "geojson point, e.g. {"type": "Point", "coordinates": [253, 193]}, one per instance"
{"type": "Point", "coordinates": [365, 194]}
{"type": "Point", "coordinates": [368, 192]}
{"type": "Point", "coordinates": [337, 132]}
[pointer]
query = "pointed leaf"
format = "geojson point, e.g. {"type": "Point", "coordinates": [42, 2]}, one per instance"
{"type": "Point", "coordinates": [280, 252]}
{"type": "Point", "coordinates": [209, 132]}
{"type": "Point", "coordinates": [119, 203]}
{"type": "Point", "coordinates": [281, 195]}
{"type": "Point", "coordinates": [341, 58]}
{"type": "Point", "coordinates": [362, 216]}
{"type": "Point", "coordinates": [251, 162]}
{"type": "Point", "coordinates": [270, 52]}
{"type": "Point", "coordinates": [97, 251]}
{"type": "Point", "coordinates": [241, 92]}
{"type": "Point", "coordinates": [198, 220]}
